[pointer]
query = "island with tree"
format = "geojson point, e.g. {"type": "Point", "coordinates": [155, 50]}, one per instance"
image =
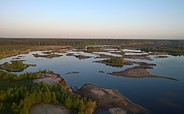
{"type": "Point", "coordinates": [15, 66]}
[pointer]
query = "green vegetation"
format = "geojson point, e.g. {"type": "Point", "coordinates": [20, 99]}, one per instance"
{"type": "Point", "coordinates": [12, 80]}
{"type": "Point", "coordinates": [7, 50]}
{"type": "Point", "coordinates": [116, 60]}
{"type": "Point", "coordinates": [15, 66]}
{"type": "Point", "coordinates": [29, 75]}
{"type": "Point", "coordinates": [51, 55]}
{"type": "Point", "coordinates": [93, 49]}
{"type": "Point", "coordinates": [177, 51]}
{"type": "Point", "coordinates": [14, 46]}
{"type": "Point", "coordinates": [20, 95]}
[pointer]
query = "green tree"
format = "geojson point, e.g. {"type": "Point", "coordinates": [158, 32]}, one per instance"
{"type": "Point", "coordinates": [68, 102]}
{"type": "Point", "coordinates": [24, 110]}
{"type": "Point", "coordinates": [53, 99]}
{"type": "Point", "coordinates": [81, 105]}
{"type": "Point", "coordinates": [1, 106]}
{"type": "Point", "coordinates": [46, 97]}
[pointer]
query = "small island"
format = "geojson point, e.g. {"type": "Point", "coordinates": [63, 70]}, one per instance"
{"type": "Point", "coordinates": [101, 71]}
{"type": "Point", "coordinates": [113, 61]}
{"type": "Point", "coordinates": [48, 55]}
{"type": "Point", "coordinates": [143, 57]}
{"type": "Point", "coordinates": [80, 57]}
{"type": "Point", "coordinates": [15, 66]}
{"type": "Point", "coordinates": [138, 72]}
{"type": "Point", "coordinates": [116, 60]}
{"type": "Point", "coordinates": [72, 73]}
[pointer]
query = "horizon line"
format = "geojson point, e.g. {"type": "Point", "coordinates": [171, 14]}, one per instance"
{"type": "Point", "coordinates": [86, 38]}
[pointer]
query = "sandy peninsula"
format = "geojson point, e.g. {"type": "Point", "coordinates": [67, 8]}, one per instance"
{"type": "Point", "coordinates": [110, 99]}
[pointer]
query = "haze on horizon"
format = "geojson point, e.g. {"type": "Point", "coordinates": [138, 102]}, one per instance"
{"type": "Point", "coordinates": [92, 19]}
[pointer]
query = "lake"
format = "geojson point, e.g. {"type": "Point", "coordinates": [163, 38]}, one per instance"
{"type": "Point", "coordinates": [158, 95]}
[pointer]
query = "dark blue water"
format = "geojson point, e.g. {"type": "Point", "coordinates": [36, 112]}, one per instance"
{"type": "Point", "coordinates": [159, 96]}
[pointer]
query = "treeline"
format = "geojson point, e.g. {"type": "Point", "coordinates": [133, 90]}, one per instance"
{"type": "Point", "coordinates": [9, 76]}
{"type": "Point", "coordinates": [28, 75]}
{"type": "Point", "coordinates": [93, 49]}
{"type": "Point", "coordinates": [10, 50]}
{"type": "Point", "coordinates": [14, 46]}
{"type": "Point", "coordinates": [71, 42]}
{"type": "Point", "coordinates": [177, 51]}
{"type": "Point", "coordinates": [19, 100]}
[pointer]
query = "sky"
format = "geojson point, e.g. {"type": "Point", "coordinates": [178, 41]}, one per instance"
{"type": "Point", "coordinates": [119, 19]}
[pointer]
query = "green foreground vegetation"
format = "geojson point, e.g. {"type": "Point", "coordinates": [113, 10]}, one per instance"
{"type": "Point", "coordinates": [20, 94]}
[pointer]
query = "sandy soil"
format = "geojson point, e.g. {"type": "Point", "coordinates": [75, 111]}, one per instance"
{"type": "Point", "coordinates": [48, 109]}
{"type": "Point", "coordinates": [50, 79]}
{"type": "Point", "coordinates": [109, 99]}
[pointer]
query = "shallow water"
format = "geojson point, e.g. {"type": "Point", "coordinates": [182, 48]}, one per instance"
{"type": "Point", "coordinates": [159, 96]}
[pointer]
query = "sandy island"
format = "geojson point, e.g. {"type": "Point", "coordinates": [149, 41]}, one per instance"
{"type": "Point", "coordinates": [135, 72]}
{"type": "Point", "coordinates": [72, 73]}
{"type": "Point", "coordinates": [127, 62]}
{"type": "Point", "coordinates": [138, 72]}
{"type": "Point", "coordinates": [47, 55]}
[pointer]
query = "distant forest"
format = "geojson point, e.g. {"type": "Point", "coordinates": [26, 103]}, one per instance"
{"type": "Point", "coordinates": [84, 42]}
{"type": "Point", "coordinates": [14, 46]}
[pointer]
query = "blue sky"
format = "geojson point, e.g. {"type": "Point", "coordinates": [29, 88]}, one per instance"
{"type": "Point", "coordinates": [92, 18]}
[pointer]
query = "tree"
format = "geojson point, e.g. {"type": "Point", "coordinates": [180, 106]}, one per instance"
{"type": "Point", "coordinates": [116, 60]}
{"type": "Point", "coordinates": [68, 102]}
{"type": "Point", "coordinates": [24, 110]}
{"type": "Point", "coordinates": [53, 99]}
{"type": "Point", "coordinates": [46, 97]}
{"type": "Point", "coordinates": [90, 107]}
{"type": "Point", "coordinates": [1, 106]}
{"type": "Point", "coordinates": [81, 106]}
{"type": "Point", "coordinates": [15, 108]}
